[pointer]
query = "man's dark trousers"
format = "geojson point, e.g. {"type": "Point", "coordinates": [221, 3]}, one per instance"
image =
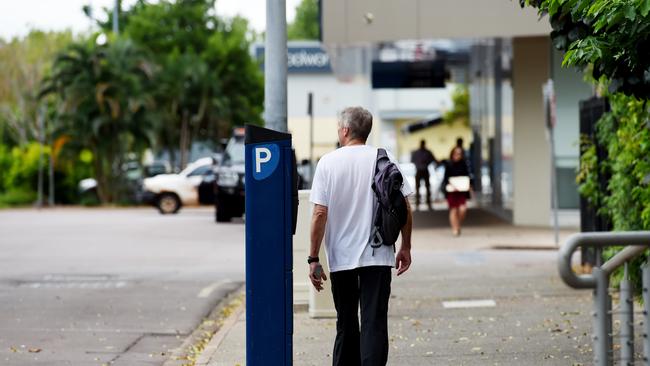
{"type": "Point", "coordinates": [419, 176]}
{"type": "Point", "coordinates": [370, 288]}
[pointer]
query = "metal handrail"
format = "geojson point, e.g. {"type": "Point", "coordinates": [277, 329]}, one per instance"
{"type": "Point", "coordinates": [635, 243]}
{"type": "Point", "coordinates": [640, 239]}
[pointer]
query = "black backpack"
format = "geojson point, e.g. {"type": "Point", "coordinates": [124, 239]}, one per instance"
{"type": "Point", "coordinates": [390, 206]}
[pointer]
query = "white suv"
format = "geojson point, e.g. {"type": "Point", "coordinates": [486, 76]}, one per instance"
{"type": "Point", "coordinates": [171, 191]}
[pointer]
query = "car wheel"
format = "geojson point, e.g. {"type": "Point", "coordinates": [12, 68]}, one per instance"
{"type": "Point", "coordinates": [223, 213]}
{"type": "Point", "coordinates": [168, 203]}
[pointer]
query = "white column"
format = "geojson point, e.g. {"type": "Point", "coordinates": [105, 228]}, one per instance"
{"type": "Point", "coordinates": [531, 168]}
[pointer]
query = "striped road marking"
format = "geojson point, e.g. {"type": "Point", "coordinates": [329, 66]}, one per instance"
{"type": "Point", "coordinates": [208, 290]}
{"type": "Point", "coordinates": [76, 285]}
{"type": "Point", "coordinates": [464, 304]}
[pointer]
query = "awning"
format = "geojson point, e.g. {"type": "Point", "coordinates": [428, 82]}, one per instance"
{"type": "Point", "coordinates": [421, 125]}
{"type": "Point", "coordinates": [346, 22]}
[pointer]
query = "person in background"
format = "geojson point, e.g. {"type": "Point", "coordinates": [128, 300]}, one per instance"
{"type": "Point", "coordinates": [467, 154]}
{"type": "Point", "coordinates": [456, 187]}
{"type": "Point", "coordinates": [421, 158]}
{"type": "Point", "coordinates": [459, 143]}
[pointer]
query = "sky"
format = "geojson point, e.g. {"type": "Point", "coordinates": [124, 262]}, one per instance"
{"type": "Point", "coordinates": [17, 17]}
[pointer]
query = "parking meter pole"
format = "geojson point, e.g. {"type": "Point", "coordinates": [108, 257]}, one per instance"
{"type": "Point", "coordinates": [271, 198]}
{"type": "Point", "coordinates": [275, 66]}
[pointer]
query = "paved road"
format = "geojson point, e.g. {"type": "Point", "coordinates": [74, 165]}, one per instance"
{"type": "Point", "coordinates": [120, 286]}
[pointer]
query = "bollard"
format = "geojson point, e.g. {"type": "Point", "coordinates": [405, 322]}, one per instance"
{"type": "Point", "coordinates": [627, 320]}
{"type": "Point", "coordinates": [301, 283]}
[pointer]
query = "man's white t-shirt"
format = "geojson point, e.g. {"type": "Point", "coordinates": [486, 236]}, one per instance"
{"type": "Point", "coordinates": [342, 182]}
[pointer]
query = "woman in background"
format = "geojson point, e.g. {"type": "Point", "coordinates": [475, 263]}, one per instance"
{"type": "Point", "coordinates": [456, 187]}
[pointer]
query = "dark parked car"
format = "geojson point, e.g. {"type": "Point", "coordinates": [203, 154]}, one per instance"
{"type": "Point", "coordinates": [229, 185]}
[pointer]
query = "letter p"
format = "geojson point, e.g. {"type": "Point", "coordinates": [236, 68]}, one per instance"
{"type": "Point", "coordinates": [261, 159]}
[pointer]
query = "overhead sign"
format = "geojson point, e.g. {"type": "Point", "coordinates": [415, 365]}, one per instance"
{"type": "Point", "coordinates": [265, 160]}
{"type": "Point", "coordinates": [308, 60]}
{"type": "Point", "coordinates": [408, 74]}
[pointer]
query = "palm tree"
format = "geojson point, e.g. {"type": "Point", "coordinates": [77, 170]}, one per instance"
{"type": "Point", "coordinates": [105, 104]}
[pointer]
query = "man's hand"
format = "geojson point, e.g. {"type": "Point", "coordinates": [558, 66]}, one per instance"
{"type": "Point", "coordinates": [403, 258]}
{"type": "Point", "coordinates": [317, 275]}
{"type": "Point", "coordinates": [403, 261]}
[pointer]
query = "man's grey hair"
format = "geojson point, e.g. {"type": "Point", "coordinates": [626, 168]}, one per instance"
{"type": "Point", "coordinates": [358, 120]}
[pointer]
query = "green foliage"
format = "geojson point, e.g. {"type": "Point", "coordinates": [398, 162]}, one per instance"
{"type": "Point", "coordinates": [588, 173]}
{"type": "Point", "coordinates": [625, 133]}
{"type": "Point", "coordinates": [19, 173]}
{"type": "Point", "coordinates": [176, 74]}
{"type": "Point", "coordinates": [104, 104]}
{"type": "Point", "coordinates": [23, 170]}
{"type": "Point", "coordinates": [17, 197]}
{"type": "Point", "coordinates": [305, 26]}
{"type": "Point", "coordinates": [23, 64]}
{"type": "Point", "coordinates": [612, 37]}
{"type": "Point", "coordinates": [208, 81]}
{"type": "Point", "coordinates": [460, 110]}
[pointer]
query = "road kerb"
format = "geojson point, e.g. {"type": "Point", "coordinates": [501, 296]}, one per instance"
{"type": "Point", "coordinates": [198, 348]}
{"type": "Point", "coordinates": [210, 350]}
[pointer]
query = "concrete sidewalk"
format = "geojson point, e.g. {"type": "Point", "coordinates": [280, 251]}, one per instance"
{"type": "Point", "coordinates": [529, 317]}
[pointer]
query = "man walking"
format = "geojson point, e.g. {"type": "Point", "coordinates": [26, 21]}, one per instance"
{"type": "Point", "coordinates": [343, 214]}
{"type": "Point", "coordinates": [421, 158]}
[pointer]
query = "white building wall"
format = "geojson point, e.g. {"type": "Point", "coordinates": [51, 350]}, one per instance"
{"type": "Point", "coordinates": [330, 96]}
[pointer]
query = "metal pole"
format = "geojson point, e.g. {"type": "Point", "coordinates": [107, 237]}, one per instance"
{"type": "Point", "coordinates": [116, 14]}
{"type": "Point", "coordinates": [556, 229]}
{"type": "Point", "coordinates": [41, 139]}
{"type": "Point", "coordinates": [310, 110]}
{"type": "Point", "coordinates": [50, 195]}
{"type": "Point", "coordinates": [610, 324]}
{"type": "Point", "coordinates": [497, 196]}
{"type": "Point", "coordinates": [601, 323]}
{"type": "Point", "coordinates": [549, 106]}
{"type": "Point", "coordinates": [275, 66]}
{"type": "Point", "coordinates": [646, 313]}
{"type": "Point", "coordinates": [627, 321]}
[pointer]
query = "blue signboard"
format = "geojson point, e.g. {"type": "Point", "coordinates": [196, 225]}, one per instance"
{"type": "Point", "coordinates": [308, 60]}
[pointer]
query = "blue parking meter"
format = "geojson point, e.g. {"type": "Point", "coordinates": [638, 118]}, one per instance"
{"type": "Point", "coordinates": [271, 209]}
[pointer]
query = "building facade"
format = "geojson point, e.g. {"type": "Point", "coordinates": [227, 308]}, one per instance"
{"type": "Point", "coordinates": [510, 60]}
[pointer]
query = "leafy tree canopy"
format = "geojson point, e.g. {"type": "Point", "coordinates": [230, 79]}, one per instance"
{"type": "Point", "coordinates": [612, 37]}
{"type": "Point", "coordinates": [208, 80]}
{"type": "Point", "coordinates": [460, 109]}
{"type": "Point", "coordinates": [103, 104]}
{"type": "Point", "coordinates": [306, 24]}
{"type": "Point", "coordinates": [23, 64]}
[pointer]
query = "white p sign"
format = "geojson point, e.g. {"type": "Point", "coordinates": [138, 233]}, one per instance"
{"type": "Point", "coordinates": [262, 155]}
{"type": "Point", "coordinates": [265, 159]}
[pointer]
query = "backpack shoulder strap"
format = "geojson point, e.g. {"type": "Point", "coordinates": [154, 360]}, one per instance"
{"type": "Point", "coordinates": [381, 153]}
{"type": "Point", "coordinates": [382, 159]}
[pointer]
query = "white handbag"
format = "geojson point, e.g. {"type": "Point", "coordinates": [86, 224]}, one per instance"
{"type": "Point", "coordinates": [458, 184]}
